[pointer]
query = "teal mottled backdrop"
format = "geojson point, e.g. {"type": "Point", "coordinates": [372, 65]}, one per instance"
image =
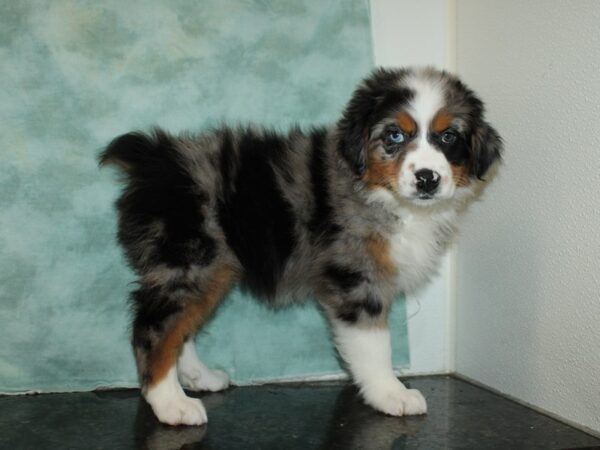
{"type": "Point", "coordinates": [76, 73]}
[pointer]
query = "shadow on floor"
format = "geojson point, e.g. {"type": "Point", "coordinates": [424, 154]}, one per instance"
{"type": "Point", "coordinates": [290, 416]}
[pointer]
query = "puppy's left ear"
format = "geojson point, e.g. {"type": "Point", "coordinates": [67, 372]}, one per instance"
{"type": "Point", "coordinates": [486, 149]}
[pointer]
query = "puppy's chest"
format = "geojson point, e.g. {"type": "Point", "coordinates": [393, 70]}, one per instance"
{"type": "Point", "coordinates": [416, 247]}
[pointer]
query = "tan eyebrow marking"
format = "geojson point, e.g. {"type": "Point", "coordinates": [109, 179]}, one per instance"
{"type": "Point", "coordinates": [441, 121]}
{"type": "Point", "coordinates": [406, 123]}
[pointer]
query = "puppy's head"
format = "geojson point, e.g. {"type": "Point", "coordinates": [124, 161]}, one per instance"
{"type": "Point", "coordinates": [417, 135]}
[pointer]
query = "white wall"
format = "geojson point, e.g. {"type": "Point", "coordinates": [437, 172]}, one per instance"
{"type": "Point", "coordinates": [528, 298]}
{"type": "Point", "coordinates": [406, 32]}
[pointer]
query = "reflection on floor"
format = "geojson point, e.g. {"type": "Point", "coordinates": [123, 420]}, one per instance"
{"type": "Point", "coordinates": [289, 416]}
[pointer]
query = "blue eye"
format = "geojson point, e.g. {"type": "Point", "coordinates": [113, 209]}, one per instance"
{"type": "Point", "coordinates": [448, 137]}
{"type": "Point", "coordinates": [396, 137]}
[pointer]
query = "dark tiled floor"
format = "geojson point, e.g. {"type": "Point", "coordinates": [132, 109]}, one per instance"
{"type": "Point", "coordinates": [301, 416]}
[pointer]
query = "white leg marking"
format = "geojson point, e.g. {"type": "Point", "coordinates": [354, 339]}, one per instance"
{"type": "Point", "coordinates": [171, 405]}
{"type": "Point", "coordinates": [194, 375]}
{"type": "Point", "coordinates": [368, 354]}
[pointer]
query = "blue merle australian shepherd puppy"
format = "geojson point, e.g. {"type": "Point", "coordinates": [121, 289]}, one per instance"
{"type": "Point", "coordinates": [350, 214]}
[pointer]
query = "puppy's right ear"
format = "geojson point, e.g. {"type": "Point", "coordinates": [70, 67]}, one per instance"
{"type": "Point", "coordinates": [376, 93]}
{"type": "Point", "coordinates": [353, 129]}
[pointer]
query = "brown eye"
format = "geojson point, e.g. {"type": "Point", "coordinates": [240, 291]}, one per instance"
{"type": "Point", "coordinates": [448, 137]}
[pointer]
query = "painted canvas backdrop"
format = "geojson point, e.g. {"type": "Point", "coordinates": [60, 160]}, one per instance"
{"type": "Point", "coordinates": [77, 73]}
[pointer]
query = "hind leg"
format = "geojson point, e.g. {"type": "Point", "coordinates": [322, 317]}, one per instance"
{"type": "Point", "coordinates": [194, 375]}
{"type": "Point", "coordinates": [166, 317]}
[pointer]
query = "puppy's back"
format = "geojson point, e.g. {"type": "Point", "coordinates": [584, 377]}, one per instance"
{"type": "Point", "coordinates": [224, 194]}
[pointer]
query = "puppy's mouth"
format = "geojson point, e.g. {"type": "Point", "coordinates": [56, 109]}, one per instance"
{"type": "Point", "coordinates": [425, 196]}
{"type": "Point", "coordinates": [424, 199]}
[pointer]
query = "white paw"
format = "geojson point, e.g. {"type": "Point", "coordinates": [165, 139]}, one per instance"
{"type": "Point", "coordinates": [414, 403]}
{"type": "Point", "coordinates": [171, 405]}
{"type": "Point", "coordinates": [204, 379]}
{"type": "Point", "coordinates": [396, 400]}
{"type": "Point", "coordinates": [180, 411]}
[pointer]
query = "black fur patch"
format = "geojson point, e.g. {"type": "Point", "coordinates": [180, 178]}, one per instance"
{"type": "Point", "coordinates": [350, 311]}
{"type": "Point", "coordinates": [159, 191]}
{"type": "Point", "coordinates": [321, 224]}
{"type": "Point", "coordinates": [343, 277]}
{"type": "Point", "coordinates": [227, 163]}
{"type": "Point", "coordinates": [257, 220]}
{"type": "Point", "coordinates": [372, 306]}
{"type": "Point", "coordinates": [486, 148]}
{"type": "Point", "coordinates": [457, 153]}
{"type": "Point", "coordinates": [392, 100]}
{"type": "Point", "coordinates": [152, 308]}
{"type": "Point", "coordinates": [349, 315]}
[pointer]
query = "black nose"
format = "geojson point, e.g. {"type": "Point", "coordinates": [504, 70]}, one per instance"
{"type": "Point", "coordinates": [427, 181]}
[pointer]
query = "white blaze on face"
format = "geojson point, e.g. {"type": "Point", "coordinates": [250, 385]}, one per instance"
{"type": "Point", "coordinates": [427, 102]}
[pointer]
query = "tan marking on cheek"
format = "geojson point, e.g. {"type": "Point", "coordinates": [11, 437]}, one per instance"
{"type": "Point", "coordinates": [379, 250]}
{"type": "Point", "coordinates": [195, 314]}
{"type": "Point", "coordinates": [460, 175]}
{"type": "Point", "coordinates": [441, 121]}
{"type": "Point", "coordinates": [406, 123]}
{"type": "Point", "coordinates": [381, 173]}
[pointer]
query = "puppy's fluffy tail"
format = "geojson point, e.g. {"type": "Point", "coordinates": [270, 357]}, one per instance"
{"type": "Point", "coordinates": [139, 153]}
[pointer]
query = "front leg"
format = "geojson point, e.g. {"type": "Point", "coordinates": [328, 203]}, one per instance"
{"type": "Point", "coordinates": [365, 347]}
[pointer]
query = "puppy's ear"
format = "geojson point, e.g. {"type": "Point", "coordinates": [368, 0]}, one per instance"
{"type": "Point", "coordinates": [353, 129]}
{"type": "Point", "coordinates": [377, 94]}
{"type": "Point", "coordinates": [486, 148]}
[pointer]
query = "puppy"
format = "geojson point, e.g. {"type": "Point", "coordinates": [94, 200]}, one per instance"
{"type": "Point", "coordinates": [350, 215]}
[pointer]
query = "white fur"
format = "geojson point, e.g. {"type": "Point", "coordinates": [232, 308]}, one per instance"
{"type": "Point", "coordinates": [382, 195]}
{"type": "Point", "coordinates": [194, 375]}
{"type": "Point", "coordinates": [421, 236]}
{"type": "Point", "coordinates": [419, 242]}
{"type": "Point", "coordinates": [368, 354]}
{"type": "Point", "coordinates": [428, 101]}
{"type": "Point", "coordinates": [171, 405]}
